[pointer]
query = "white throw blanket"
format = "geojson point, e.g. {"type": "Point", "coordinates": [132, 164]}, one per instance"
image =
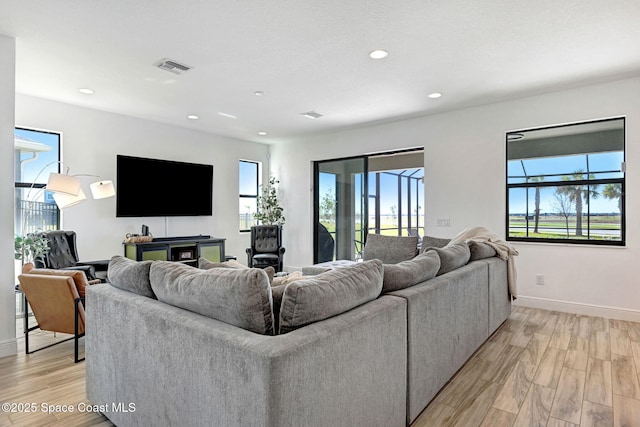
{"type": "Point", "coordinates": [505, 251]}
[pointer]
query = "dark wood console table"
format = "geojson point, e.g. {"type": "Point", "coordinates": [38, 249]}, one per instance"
{"type": "Point", "coordinates": [179, 249]}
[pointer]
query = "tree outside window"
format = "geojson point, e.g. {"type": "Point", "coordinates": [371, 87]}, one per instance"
{"type": "Point", "coordinates": [566, 183]}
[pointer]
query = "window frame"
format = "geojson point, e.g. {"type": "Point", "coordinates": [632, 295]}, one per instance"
{"type": "Point", "coordinates": [36, 186]}
{"type": "Point", "coordinates": [242, 196]}
{"type": "Point", "coordinates": [577, 182]}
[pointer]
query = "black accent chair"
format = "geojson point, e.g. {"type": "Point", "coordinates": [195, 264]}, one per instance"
{"type": "Point", "coordinates": [63, 255]}
{"type": "Point", "coordinates": [266, 247]}
{"type": "Point", "coordinates": [326, 244]}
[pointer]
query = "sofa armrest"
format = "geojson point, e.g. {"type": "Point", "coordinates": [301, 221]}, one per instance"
{"type": "Point", "coordinates": [346, 370]}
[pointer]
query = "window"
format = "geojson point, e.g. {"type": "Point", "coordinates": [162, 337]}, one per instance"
{"type": "Point", "coordinates": [37, 153]}
{"type": "Point", "coordinates": [566, 183]}
{"type": "Point", "coordinates": [249, 183]}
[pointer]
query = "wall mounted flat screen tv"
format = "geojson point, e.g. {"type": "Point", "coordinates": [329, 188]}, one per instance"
{"type": "Point", "coordinates": [153, 187]}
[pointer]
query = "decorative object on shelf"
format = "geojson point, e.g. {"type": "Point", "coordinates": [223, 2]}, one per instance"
{"type": "Point", "coordinates": [269, 211]}
{"type": "Point", "coordinates": [136, 238]}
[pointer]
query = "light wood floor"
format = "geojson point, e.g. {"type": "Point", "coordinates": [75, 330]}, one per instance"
{"type": "Point", "coordinates": [541, 368]}
{"type": "Point", "coordinates": [544, 368]}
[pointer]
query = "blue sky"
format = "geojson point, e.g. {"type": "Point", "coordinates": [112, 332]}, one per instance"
{"type": "Point", "coordinates": [32, 168]}
{"type": "Point", "coordinates": [388, 191]}
{"type": "Point", "coordinates": [600, 162]}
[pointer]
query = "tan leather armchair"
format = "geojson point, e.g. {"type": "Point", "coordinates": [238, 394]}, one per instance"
{"type": "Point", "coordinates": [57, 304]}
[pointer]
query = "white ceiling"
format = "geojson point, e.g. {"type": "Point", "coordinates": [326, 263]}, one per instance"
{"type": "Point", "coordinates": [313, 55]}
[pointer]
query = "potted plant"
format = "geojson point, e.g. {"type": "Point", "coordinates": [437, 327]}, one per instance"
{"type": "Point", "coordinates": [269, 211]}
{"type": "Point", "coordinates": [31, 247]}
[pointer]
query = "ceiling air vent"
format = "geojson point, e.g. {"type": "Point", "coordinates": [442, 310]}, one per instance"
{"type": "Point", "coordinates": [311, 115]}
{"type": "Point", "coordinates": [172, 66]}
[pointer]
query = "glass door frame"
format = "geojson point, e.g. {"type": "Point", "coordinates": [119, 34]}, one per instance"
{"type": "Point", "coordinates": [364, 215]}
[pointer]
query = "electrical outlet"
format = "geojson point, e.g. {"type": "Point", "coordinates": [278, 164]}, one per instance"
{"type": "Point", "coordinates": [540, 279]}
{"type": "Point", "coordinates": [443, 222]}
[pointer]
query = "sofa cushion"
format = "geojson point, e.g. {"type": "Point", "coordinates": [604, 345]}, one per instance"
{"type": "Point", "coordinates": [240, 297]}
{"type": "Point", "coordinates": [78, 276]}
{"type": "Point", "coordinates": [434, 242]}
{"type": "Point", "coordinates": [277, 292]}
{"type": "Point", "coordinates": [480, 250]}
{"type": "Point", "coordinates": [329, 294]}
{"type": "Point", "coordinates": [410, 272]}
{"type": "Point", "coordinates": [205, 264]}
{"type": "Point", "coordinates": [390, 249]}
{"type": "Point", "coordinates": [452, 257]}
{"type": "Point", "coordinates": [325, 266]}
{"type": "Point", "coordinates": [130, 275]}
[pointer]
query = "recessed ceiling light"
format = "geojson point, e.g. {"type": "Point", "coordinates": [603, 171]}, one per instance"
{"type": "Point", "coordinates": [311, 115]}
{"type": "Point", "coordinates": [193, 117]}
{"type": "Point", "coordinates": [378, 54]}
{"type": "Point", "coordinates": [262, 133]}
{"type": "Point", "coordinates": [258, 93]}
{"type": "Point", "coordinates": [227, 115]}
{"type": "Point", "coordinates": [434, 95]}
{"type": "Point", "coordinates": [86, 91]}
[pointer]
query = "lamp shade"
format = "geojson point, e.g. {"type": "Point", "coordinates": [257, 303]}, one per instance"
{"type": "Point", "coordinates": [64, 200]}
{"type": "Point", "coordinates": [102, 189]}
{"type": "Point", "coordinates": [61, 183]}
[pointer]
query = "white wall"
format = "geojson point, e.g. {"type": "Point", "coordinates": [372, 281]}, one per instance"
{"type": "Point", "coordinates": [465, 181]}
{"type": "Point", "coordinates": [7, 293]}
{"type": "Point", "coordinates": [91, 140]}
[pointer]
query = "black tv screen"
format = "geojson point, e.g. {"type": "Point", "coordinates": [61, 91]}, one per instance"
{"type": "Point", "coordinates": [152, 187]}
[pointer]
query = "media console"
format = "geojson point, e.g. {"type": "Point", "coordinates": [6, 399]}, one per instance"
{"type": "Point", "coordinates": [185, 249]}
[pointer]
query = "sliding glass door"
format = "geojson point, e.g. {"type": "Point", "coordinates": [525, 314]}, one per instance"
{"type": "Point", "coordinates": [381, 193]}
{"type": "Point", "coordinates": [340, 213]}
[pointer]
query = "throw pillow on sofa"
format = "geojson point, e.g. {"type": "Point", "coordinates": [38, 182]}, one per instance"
{"type": "Point", "coordinates": [452, 257]}
{"type": "Point", "coordinates": [390, 249]}
{"type": "Point", "coordinates": [328, 294]}
{"type": "Point", "coordinates": [205, 264]}
{"type": "Point", "coordinates": [277, 292]}
{"type": "Point", "coordinates": [240, 297]}
{"type": "Point", "coordinates": [433, 242]}
{"type": "Point", "coordinates": [130, 275]}
{"type": "Point", "coordinates": [408, 273]}
{"type": "Point", "coordinates": [480, 250]}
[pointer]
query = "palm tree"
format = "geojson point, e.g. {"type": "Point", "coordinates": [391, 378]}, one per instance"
{"type": "Point", "coordinates": [613, 191]}
{"type": "Point", "coordinates": [577, 193]}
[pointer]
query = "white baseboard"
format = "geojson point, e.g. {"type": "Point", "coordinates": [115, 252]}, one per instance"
{"type": "Point", "coordinates": [8, 348]}
{"type": "Point", "coordinates": [579, 308]}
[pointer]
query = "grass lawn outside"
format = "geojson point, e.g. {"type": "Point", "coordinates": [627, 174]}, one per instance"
{"type": "Point", "coordinates": [595, 227]}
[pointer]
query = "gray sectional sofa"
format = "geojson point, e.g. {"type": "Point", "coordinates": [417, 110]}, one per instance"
{"type": "Point", "coordinates": [358, 347]}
